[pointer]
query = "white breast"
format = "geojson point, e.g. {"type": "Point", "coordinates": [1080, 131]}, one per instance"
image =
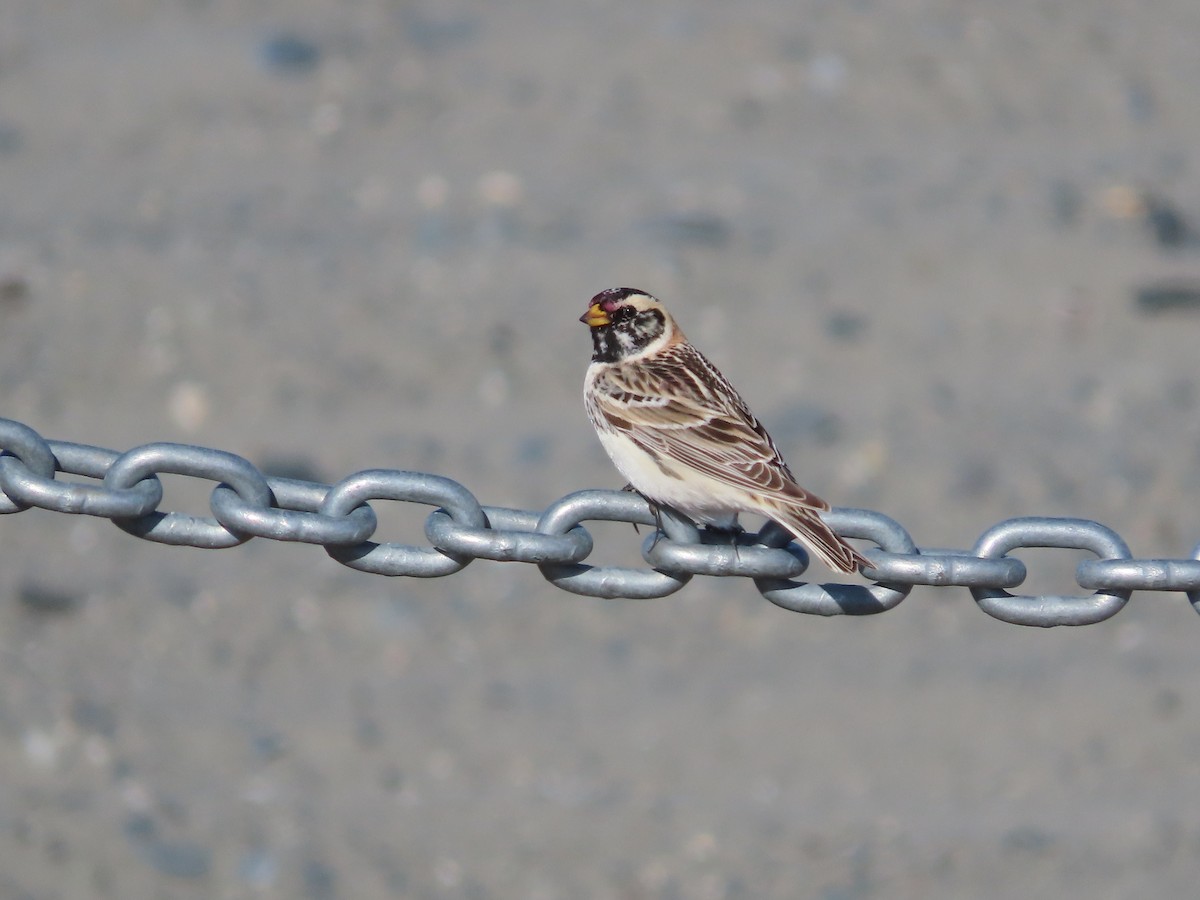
{"type": "Point", "coordinates": [698, 496]}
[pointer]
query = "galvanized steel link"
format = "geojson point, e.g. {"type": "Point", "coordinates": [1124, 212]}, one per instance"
{"type": "Point", "coordinates": [767, 554]}
{"type": "Point", "coordinates": [837, 599]}
{"type": "Point", "coordinates": [508, 536]}
{"type": "Point", "coordinates": [35, 459]}
{"type": "Point", "coordinates": [246, 503]}
{"type": "Point", "coordinates": [293, 515]}
{"type": "Point", "coordinates": [29, 488]}
{"type": "Point", "coordinates": [177, 528]}
{"type": "Point", "coordinates": [611, 582]}
{"type": "Point", "coordinates": [1049, 610]}
{"type": "Point", "coordinates": [413, 487]}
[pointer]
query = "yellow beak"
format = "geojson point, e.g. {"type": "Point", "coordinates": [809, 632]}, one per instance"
{"type": "Point", "coordinates": [595, 317]}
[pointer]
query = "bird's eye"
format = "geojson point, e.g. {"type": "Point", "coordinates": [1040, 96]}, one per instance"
{"type": "Point", "coordinates": [623, 313]}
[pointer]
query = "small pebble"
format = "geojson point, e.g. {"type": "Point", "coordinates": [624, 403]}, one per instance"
{"type": "Point", "coordinates": [188, 405]}
{"type": "Point", "coordinates": [1168, 297]}
{"type": "Point", "coordinates": [320, 881]}
{"type": "Point", "coordinates": [369, 732]}
{"type": "Point", "coordinates": [534, 450]}
{"type": "Point", "coordinates": [1122, 201]}
{"type": "Point", "coordinates": [41, 748]}
{"type": "Point", "coordinates": [42, 599]}
{"type": "Point", "coordinates": [500, 188]}
{"type": "Point", "coordinates": [11, 139]}
{"type": "Point", "coordinates": [448, 872]}
{"type": "Point", "coordinates": [1139, 101]}
{"type": "Point", "coordinates": [14, 289]}
{"type": "Point", "coordinates": [140, 827]}
{"type": "Point", "coordinates": [845, 326]}
{"type": "Point", "coordinates": [269, 746]}
{"type": "Point", "coordinates": [289, 54]}
{"type": "Point", "coordinates": [179, 860]}
{"type": "Point", "coordinates": [1167, 224]}
{"type": "Point", "coordinates": [93, 716]}
{"type": "Point", "coordinates": [259, 869]}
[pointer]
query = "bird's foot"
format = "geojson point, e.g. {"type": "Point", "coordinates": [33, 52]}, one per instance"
{"type": "Point", "coordinates": [653, 508]}
{"type": "Point", "coordinates": [732, 534]}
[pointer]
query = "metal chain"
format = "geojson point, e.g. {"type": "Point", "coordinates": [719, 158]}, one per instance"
{"type": "Point", "coordinates": [246, 503]}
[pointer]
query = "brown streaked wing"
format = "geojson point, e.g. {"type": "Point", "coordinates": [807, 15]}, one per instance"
{"type": "Point", "coordinates": [678, 405]}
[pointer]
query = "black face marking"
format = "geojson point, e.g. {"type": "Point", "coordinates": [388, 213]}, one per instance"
{"type": "Point", "coordinates": [631, 330]}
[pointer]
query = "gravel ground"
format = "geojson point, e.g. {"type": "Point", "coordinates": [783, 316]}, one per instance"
{"type": "Point", "coordinates": [930, 242]}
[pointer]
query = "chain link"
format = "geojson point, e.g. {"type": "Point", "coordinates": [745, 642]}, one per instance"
{"type": "Point", "coordinates": [245, 503]}
{"type": "Point", "coordinates": [1074, 534]}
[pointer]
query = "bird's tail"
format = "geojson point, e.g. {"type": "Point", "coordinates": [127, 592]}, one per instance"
{"type": "Point", "coordinates": [811, 530]}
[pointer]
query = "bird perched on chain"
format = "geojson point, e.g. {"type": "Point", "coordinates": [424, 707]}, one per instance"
{"type": "Point", "coordinates": [683, 437]}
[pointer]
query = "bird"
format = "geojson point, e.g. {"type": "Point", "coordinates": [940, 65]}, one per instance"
{"type": "Point", "coordinates": [674, 426]}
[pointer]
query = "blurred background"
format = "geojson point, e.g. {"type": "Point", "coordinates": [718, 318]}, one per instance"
{"type": "Point", "coordinates": [948, 252]}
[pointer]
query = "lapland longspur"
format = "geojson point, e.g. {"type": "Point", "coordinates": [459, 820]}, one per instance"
{"type": "Point", "coordinates": [682, 435]}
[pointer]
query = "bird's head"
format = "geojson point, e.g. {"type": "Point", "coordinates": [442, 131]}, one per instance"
{"type": "Point", "coordinates": [626, 322]}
